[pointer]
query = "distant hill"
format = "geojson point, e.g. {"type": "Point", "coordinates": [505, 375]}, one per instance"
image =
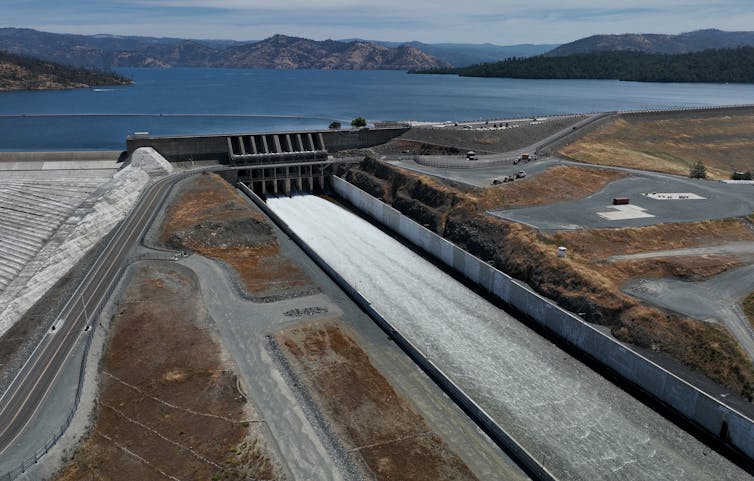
{"type": "Point", "coordinates": [465, 54]}
{"type": "Point", "coordinates": [282, 52]}
{"type": "Point", "coordinates": [108, 51]}
{"type": "Point", "coordinates": [25, 73]}
{"type": "Point", "coordinates": [715, 66]}
{"type": "Point", "coordinates": [87, 51]}
{"type": "Point", "coordinates": [657, 43]}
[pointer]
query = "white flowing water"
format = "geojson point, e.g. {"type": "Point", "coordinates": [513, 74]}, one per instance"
{"type": "Point", "coordinates": [579, 424]}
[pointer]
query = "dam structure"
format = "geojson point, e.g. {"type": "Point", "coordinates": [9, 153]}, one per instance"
{"type": "Point", "coordinates": [576, 423]}
{"type": "Point", "coordinates": [269, 163]}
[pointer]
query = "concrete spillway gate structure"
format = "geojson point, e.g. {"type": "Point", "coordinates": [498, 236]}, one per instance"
{"type": "Point", "coordinates": [281, 163]}
{"type": "Point", "coordinates": [283, 147]}
{"type": "Point", "coordinates": [287, 178]}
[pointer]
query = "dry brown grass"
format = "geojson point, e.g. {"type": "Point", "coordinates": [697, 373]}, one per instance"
{"type": "Point", "coordinates": [263, 270]}
{"type": "Point", "coordinates": [392, 439]}
{"type": "Point", "coordinates": [723, 143]}
{"type": "Point", "coordinates": [206, 197]}
{"type": "Point", "coordinates": [683, 267]}
{"type": "Point", "coordinates": [557, 184]}
{"type": "Point", "coordinates": [261, 267]}
{"type": "Point", "coordinates": [168, 404]}
{"type": "Point", "coordinates": [597, 244]}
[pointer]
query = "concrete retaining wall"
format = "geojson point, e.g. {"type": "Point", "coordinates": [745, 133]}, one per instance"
{"type": "Point", "coordinates": [687, 400]}
{"type": "Point", "coordinates": [497, 433]}
{"type": "Point", "coordinates": [215, 147]}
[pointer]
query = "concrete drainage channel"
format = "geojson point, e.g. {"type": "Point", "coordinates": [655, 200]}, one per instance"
{"type": "Point", "coordinates": [518, 453]}
{"type": "Point", "coordinates": [692, 406]}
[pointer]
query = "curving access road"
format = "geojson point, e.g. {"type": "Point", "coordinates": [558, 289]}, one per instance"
{"type": "Point", "coordinates": [24, 396]}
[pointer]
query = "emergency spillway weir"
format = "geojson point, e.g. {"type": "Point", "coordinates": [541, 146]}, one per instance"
{"type": "Point", "coordinates": [581, 426]}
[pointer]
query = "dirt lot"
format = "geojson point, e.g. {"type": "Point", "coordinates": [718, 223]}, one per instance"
{"type": "Point", "coordinates": [578, 283]}
{"type": "Point", "coordinates": [369, 416]}
{"type": "Point", "coordinates": [723, 141]}
{"type": "Point", "coordinates": [169, 405]}
{"type": "Point", "coordinates": [211, 218]}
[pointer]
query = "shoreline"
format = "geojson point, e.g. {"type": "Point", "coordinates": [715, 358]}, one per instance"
{"type": "Point", "coordinates": [74, 153]}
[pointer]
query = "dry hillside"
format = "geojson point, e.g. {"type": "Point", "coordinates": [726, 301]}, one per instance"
{"type": "Point", "coordinates": [724, 141]}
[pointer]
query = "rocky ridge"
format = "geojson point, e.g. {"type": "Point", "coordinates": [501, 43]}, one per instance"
{"type": "Point", "coordinates": [277, 52]}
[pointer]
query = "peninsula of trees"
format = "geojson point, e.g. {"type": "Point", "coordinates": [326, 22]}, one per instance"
{"type": "Point", "coordinates": [19, 72]}
{"type": "Point", "coordinates": [715, 66]}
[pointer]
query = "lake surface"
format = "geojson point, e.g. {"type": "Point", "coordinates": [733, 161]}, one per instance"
{"type": "Point", "coordinates": [310, 99]}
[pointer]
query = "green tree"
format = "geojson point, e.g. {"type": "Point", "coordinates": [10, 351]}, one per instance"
{"type": "Point", "coordinates": [335, 125]}
{"type": "Point", "coordinates": [359, 122]}
{"type": "Point", "coordinates": [698, 170]}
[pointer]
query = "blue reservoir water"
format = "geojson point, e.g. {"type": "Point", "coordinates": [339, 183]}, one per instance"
{"type": "Point", "coordinates": [295, 99]}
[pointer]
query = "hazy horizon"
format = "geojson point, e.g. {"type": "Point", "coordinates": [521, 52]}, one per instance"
{"type": "Point", "coordinates": [442, 21]}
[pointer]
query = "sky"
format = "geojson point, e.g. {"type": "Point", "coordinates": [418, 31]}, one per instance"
{"type": "Point", "coordinates": [502, 22]}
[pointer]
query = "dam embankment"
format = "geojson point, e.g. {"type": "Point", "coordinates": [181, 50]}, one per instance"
{"type": "Point", "coordinates": [568, 418]}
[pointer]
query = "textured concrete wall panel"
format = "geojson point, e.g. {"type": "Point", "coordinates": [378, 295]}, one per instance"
{"type": "Point", "coordinates": [471, 268]}
{"type": "Point", "coordinates": [501, 286]}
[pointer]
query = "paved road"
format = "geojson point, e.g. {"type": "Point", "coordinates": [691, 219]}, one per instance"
{"type": "Point", "coordinates": [718, 298]}
{"type": "Point", "coordinates": [22, 400]}
{"type": "Point", "coordinates": [507, 158]}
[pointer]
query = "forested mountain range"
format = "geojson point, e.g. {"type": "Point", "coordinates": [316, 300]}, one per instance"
{"type": "Point", "coordinates": [717, 66]}
{"type": "Point", "coordinates": [696, 41]}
